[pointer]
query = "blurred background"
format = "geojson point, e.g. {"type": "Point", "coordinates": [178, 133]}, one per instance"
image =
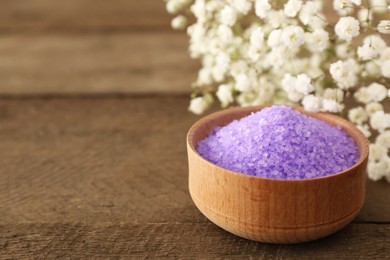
{"type": "Point", "coordinates": [91, 47]}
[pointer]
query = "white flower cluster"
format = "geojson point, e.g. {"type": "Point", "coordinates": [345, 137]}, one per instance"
{"type": "Point", "coordinates": [256, 52]}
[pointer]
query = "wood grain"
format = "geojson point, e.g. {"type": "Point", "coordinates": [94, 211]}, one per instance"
{"type": "Point", "coordinates": [134, 62]}
{"type": "Point", "coordinates": [94, 177]}
{"type": "Point", "coordinates": [89, 160]}
{"type": "Point", "coordinates": [83, 15]}
{"type": "Point", "coordinates": [184, 241]}
{"type": "Point", "coordinates": [91, 46]}
{"type": "Point", "coordinates": [112, 172]}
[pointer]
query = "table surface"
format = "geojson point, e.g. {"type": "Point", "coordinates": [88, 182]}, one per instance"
{"type": "Point", "coordinates": [107, 177]}
{"type": "Point", "coordinates": [93, 118]}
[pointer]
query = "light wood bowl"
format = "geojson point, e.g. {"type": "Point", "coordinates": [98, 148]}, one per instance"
{"type": "Point", "coordinates": [270, 210]}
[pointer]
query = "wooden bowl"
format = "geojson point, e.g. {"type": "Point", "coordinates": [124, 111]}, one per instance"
{"type": "Point", "coordinates": [270, 210]}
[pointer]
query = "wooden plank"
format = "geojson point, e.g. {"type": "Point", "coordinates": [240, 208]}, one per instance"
{"type": "Point", "coordinates": [94, 160]}
{"type": "Point", "coordinates": [70, 15]}
{"type": "Point", "coordinates": [192, 240]}
{"type": "Point", "coordinates": [376, 208]}
{"type": "Point", "coordinates": [84, 15]}
{"type": "Point", "coordinates": [77, 63]}
{"type": "Point", "coordinates": [106, 160]}
{"type": "Point", "coordinates": [107, 177]}
{"type": "Point", "coordinates": [91, 46]}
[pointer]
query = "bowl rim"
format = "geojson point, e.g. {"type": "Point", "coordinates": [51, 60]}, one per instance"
{"type": "Point", "coordinates": [363, 155]}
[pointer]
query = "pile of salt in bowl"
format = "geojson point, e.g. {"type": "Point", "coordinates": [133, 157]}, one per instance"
{"type": "Point", "coordinates": [280, 143]}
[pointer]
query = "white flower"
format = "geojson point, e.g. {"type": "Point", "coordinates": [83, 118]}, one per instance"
{"type": "Point", "coordinates": [312, 103]}
{"type": "Point", "coordinates": [365, 129]}
{"type": "Point", "coordinates": [308, 12]}
{"type": "Point", "coordinates": [244, 83]}
{"type": "Point", "coordinates": [385, 55]}
{"type": "Point", "coordinates": [384, 27]}
{"type": "Point", "coordinates": [376, 42]}
{"type": "Point", "coordinates": [253, 53]}
{"type": "Point", "coordinates": [265, 94]}
{"type": "Point", "coordinates": [357, 115]}
{"type": "Point", "coordinates": [378, 161]}
{"type": "Point", "coordinates": [221, 66]}
{"type": "Point", "coordinates": [384, 139]}
{"type": "Point", "coordinates": [276, 18]}
{"type": "Point", "coordinates": [275, 38]}
{"type": "Point", "coordinates": [380, 121]}
{"type": "Point", "coordinates": [197, 32]}
{"type": "Point", "coordinates": [377, 152]}
{"type": "Point", "coordinates": [385, 69]}
{"type": "Point", "coordinates": [224, 94]}
{"type": "Point", "coordinates": [347, 28]}
{"type": "Point", "coordinates": [238, 67]}
{"type": "Point", "coordinates": [367, 52]}
{"type": "Point", "coordinates": [303, 84]}
{"type": "Point", "coordinates": [288, 83]}
{"type": "Point", "coordinates": [225, 33]}
{"type": "Point", "coordinates": [377, 170]}
{"type": "Point", "coordinates": [199, 10]}
{"type": "Point", "coordinates": [292, 7]}
{"type": "Point", "coordinates": [198, 105]}
{"type": "Point", "coordinates": [208, 61]}
{"type": "Point", "coordinates": [373, 93]}
{"type": "Point", "coordinates": [295, 96]}
{"type": "Point", "coordinates": [319, 39]}
{"type": "Point", "coordinates": [365, 16]}
{"type": "Point", "coordinates": [256, 43]}
{"type": "Point", "coordinates": [174, 6]}
{"type": "Point", "coordinates": [314, 67]}
{"type": "Point", "coordinates": [218, 73]}
{"type": "Point", "coordinates": [246, 98]}
{"type": "Point", "coordinates": [179, 22]}
{"type": "Point", "coordinates": [298, 64]}
{"type": "Point", "coordinates": [293, 36]}
{"type": "Point", "coordinates": [377, 92]}
{"type": "Point", "coordinates": [312, 16]}
{"type": "Point", "coordinates": [276, 58]}
{"type": "Point", "coordinates": [362, 95]}
{"type": "Point", "coordinates": [334, 93]}
{"type": "Point", "coordinates": [210, 7]}
{"type": "Point", "coordinates": [372, 69]}
{"type": "Point", "coordinates": [379, 6]}
{"type": "Point", "coordinates": [257, 38]}
{"type": "Point", "coordinates": [344, 7]}
{"type": "Point", "coordinates": [297, 87]}
{"type": "Point", "coordinates": [262, 7]}
{"type": "Point", "coordinates": [242, 6]}
{"type": "Point", "coordinates": [357, 2]}
{"type": "Point", "coordinates": [228, 16]}
{"type": "Point", "coordinates": [344, 51]}
{"type": "Point", "coordinates": [205, 76]}
{"type": "Point", "coordinates": [332, 105]}
{"type": "Point", "coordinates": [345, 73]}
{"type": "Point", "coordinates": [373, 107]}
{"type": "Point", "coordinates": [222, 60]}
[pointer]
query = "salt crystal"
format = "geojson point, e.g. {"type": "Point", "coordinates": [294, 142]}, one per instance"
{"type": "Point", "coordinates": [280, 143]}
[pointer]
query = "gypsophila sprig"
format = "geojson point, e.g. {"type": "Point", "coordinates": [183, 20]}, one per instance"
{"type": "Point", "coordinates": [255, 52]}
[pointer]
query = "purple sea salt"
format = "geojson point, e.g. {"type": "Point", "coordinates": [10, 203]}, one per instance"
{"type": "Point", "coordinates": [280, 143]}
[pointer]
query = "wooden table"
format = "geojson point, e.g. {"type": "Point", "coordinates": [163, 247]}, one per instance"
{"type": "Point", "coordinates": [107, 177]}
{"type": "Point", "coordinates": [93, 143]}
